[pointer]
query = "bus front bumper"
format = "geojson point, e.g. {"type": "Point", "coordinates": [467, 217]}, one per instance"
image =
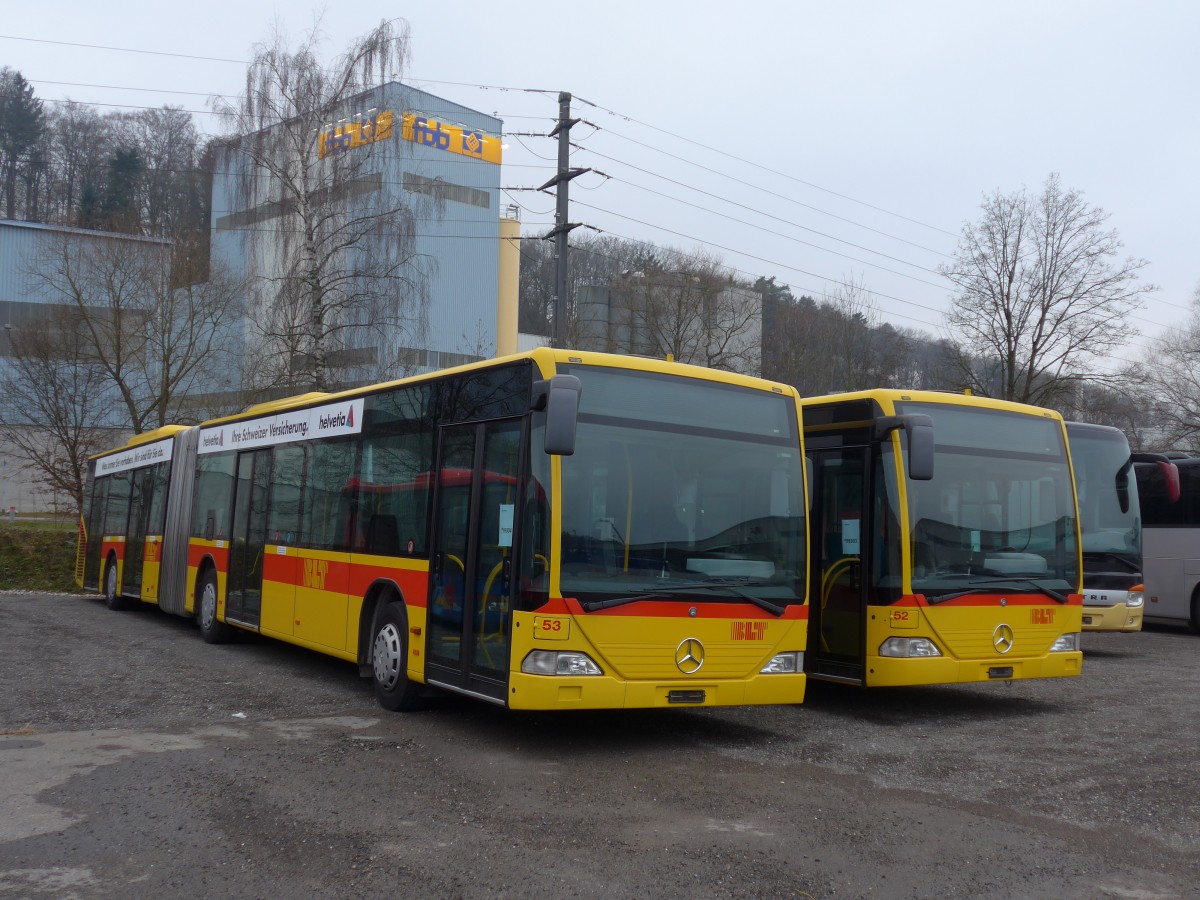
{"type": "Point", "coordinates": [536, 692]}
{"type": "Point", "coordinates": [1119, 617]}
{"type": "Point", "coordinates": [888, 672]}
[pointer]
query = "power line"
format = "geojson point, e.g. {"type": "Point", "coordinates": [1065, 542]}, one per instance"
{"type": "Point", "coordinates": [759, 212]}
{"type": "Point", "coordinates": [615, 133]}
{"type": "Point", "coordinates": [504, 88]}
{"type": "Point", "coordinates": [772, 193]}
{"type": "Point", "coordinates": [762, 259]}
{"type": "Point", "coordinates": [768, 169]}
{"type": "Point", "coordinates": [117, 87]}
{"type": "Point", "coordinates": [796, 240]}
{"type": "Point", "coordinates": [11, 37]}
{"type": "Point", "coordinates": [785, 266]}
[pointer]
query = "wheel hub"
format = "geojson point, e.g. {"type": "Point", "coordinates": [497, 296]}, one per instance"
{"type": "Point", "coordinates": [208, 606]}
{"type": "Point", "coordinates": [387, 656]}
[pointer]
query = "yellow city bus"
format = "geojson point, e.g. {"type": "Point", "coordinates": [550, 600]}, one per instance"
{"type": "Point", "coordinates": [945, 540]}
{"type": "Point", "coordinates": [129, 548]}
{"type": "Point", "coordinates": [551, 530]}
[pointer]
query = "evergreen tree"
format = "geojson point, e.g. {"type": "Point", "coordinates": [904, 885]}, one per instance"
{"type": "Point", "coordinates": [22, 120]}
{"type": "Point", "coordinates": [120, 207]}
{"type": "Point", "coordinates": [88, 213]}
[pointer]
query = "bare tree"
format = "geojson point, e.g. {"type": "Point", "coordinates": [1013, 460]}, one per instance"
{"type": "Point", "coordinates": [858, 352]}
{"type": "Point", "coordinates": [58, 407]}
{"type": "Point", "coordinates": [79, 142]}
{"type": "Point", "coordinates": [690, 307]}
{"type": "Point", "coordinates": [157, 342]}
{"type": "Point", "coordinates": [595, 261]}
{"type": "Point", "coordinates": [842, 344]}
{"type": "Point", "coordinates": [1173, 381]}
{"type": "Point", "coordinates": [1040, 294]}
{"type": "Point", "coordinates": [331, 248]}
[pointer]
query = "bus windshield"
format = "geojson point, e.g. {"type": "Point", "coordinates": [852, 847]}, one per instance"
{"type": "Point", "coordinates": [999, 512]}
{"type": "Point", "coordinates": [1108, 507]}
{"type": "Point", "coordinates": [656, 506]}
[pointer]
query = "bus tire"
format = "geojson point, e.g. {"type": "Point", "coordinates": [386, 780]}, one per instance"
{"type": "Point", "coordinates": [1194, 619]}
{"type": "Point", "coordinates": [112, 599]}
{"type": "Point", "coordinates": [211, 629]}
{"type": "Point", "coordinates": [389, 660]}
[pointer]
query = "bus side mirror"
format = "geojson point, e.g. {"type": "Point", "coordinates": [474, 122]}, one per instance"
{"type": "Point", "coordinates": [1168, 470]}
{"type": "Point", "coordinates": [1171, 474]}
{"type": "Point", "coordinates": [918, 429]}
{"type": "Point", "coordinates": [559, 397]}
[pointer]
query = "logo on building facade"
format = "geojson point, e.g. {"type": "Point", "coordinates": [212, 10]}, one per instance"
{"type": "Point", "coordinates": [355, 134]}
{"type": "Point", "coordinates": [430, 132]}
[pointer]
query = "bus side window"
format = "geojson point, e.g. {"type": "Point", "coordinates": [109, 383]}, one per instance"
{"type": "Point", "coordinates": [214, 492]}
{"type": "Point", "coordinates": [283, 525]}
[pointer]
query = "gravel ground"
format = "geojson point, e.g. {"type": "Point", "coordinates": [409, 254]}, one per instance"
{"type": "Point", "coordinates": [137, 761]}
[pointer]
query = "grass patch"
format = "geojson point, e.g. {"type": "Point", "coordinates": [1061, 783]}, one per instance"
{"type": "Point", "coordinates": [37, 556]}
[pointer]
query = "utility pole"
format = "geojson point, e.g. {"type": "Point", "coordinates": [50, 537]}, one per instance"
{"type": "Point", "coordinates": [562, 228]}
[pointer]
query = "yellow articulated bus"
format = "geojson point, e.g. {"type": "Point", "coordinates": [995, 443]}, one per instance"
{"type": "Point", "coordinates": [129, 548]}
{"type": "Point", "coordinates": [945, 540]}
{"type": "Point", "coordinates": [552, 530]}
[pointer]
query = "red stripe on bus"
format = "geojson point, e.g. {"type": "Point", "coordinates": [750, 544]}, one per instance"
{"type": "Point", "coordinates": [681, 609]}
{"type": "Point", "coordinates": [197, 553]}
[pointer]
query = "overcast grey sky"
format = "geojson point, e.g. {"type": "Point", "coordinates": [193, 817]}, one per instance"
{"type": "Point", "coordinates": [756, 129]}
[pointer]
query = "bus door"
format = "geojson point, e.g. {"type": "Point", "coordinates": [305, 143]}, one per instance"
{"type": "Point", "coordinates": [475, 517]}
{"type": "Point", "coordinates": [142, 491]}
{"type": "Point", "coordinates": [243, 584]}
{"type": "Point", "coordinates": [838, 592]}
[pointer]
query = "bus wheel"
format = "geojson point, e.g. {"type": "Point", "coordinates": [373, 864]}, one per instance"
{"type": "Point", "coordinates": [212, 630]}
{"type": "Point", "coordinates": [389, 652]}
{"type": "Point", "coordinates": [1194, 621]}
{"type": "Point", "coordinates": [112, 599]}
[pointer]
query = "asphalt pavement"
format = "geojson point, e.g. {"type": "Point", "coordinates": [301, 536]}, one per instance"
{"type": "Point", "coordinates": [138, 761]}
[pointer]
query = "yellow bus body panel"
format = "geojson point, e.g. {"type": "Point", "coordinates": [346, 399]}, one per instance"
{"type": "Point", "coordinates": [637, 656]}
{"type": "Point", "coordinates": [965, 635]}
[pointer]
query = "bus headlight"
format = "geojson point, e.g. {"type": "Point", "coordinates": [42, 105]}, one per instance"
{"type": "Point", "coordinates": [1135, 598]}
{"type": "Point", "coordinates": [1066, 643]}
{"type": "Point", "coordinates": [784, 664]}
{"type": "Point", "coordinates": [559, 662]}
{"type": "Point", "coordinates": [907, 647]}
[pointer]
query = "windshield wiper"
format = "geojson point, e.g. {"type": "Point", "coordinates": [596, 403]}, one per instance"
{"type": "Point", "coordinates": [999, 584]}
{"type": "Point", "coordinates": [593, 605]}
{"type": "Point", "coordinates": [733, 587]}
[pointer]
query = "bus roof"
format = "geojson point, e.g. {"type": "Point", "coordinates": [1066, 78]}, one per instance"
{"type": "Point", "coordinates": [888, 397]}
{"type": "Point", "coordinates": [1107, 431]}
{"type": "Point", "coordinates": [146, 437]}
{"type": "Point", "coordinates": [545, 359]}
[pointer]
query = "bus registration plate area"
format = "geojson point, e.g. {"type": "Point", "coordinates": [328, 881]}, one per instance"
{"type": "Point", "coordinates": [551, 628]}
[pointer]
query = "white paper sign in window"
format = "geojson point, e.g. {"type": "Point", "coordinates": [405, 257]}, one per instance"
{"type": "Point", "coordinates": [506, 525]}
{"type": "Point", "coordinates": [849, 537]}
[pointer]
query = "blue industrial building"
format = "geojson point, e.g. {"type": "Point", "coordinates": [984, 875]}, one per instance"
{"type": "Point", "coordinates": [404, 149]}
{"type": "Point", "coordinates": [399, 147]}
